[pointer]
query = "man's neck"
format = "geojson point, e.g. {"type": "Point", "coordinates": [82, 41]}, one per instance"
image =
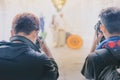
{"type": "Point", "coordinates": [112, 35]}
{"type": "Point", "coordinates": [26, 36]}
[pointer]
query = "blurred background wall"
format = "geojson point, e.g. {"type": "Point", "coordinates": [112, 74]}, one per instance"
{"type": "Point", "coordinates": [80, 15]}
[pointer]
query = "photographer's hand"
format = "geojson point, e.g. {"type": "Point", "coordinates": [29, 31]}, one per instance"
{"type": "Point", "coordinates": [45, 48]}
{"type": "Point", "coordinates": [96, 41]}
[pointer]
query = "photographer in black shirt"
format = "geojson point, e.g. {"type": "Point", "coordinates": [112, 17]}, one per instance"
{"type": "Point", "coordinates": [21, 59]}
{"type": "Point", "coordinates": [104, 60]}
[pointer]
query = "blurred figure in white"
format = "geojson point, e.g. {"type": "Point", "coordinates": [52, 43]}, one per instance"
{"type": "Point", "coordinates": [58, 30]}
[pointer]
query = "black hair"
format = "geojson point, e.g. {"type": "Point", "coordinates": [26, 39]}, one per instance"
{"type": "Point", "coordinates": [110, 18]}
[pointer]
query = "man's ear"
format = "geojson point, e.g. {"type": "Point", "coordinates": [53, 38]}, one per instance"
{"type": "Point", "coordinates": [34, 34]}
{"type": "Point", "coordinates": [12, 33]}
{"type": "Point", "coordinates": [102, 28]}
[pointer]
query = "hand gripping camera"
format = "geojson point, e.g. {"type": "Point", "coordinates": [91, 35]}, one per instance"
{"type": "Point", "coordinates": [97, 29]}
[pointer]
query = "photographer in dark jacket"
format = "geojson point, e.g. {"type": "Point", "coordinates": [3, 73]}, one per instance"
{"type": "Point", "coordinates": [103, 62]}
{"type": "Point", "coordinates": [21, 59]}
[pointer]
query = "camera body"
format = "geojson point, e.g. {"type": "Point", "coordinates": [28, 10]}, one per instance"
{"type": "Point", "coordinates": [37, 41]}
{"type": "Point", "coordinates": [97, 29]}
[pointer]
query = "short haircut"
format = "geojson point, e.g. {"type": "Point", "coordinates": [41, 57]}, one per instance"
{"type": "Point", "coordinates": [26, 23]}
{"type": "Point", "coordinates": [110, 17]}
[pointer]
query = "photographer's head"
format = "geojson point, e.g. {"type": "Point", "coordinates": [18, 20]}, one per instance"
{"type": "Point", "coordinates": [110, 19]}
{"type": "Point", "coordinates": [27, 25]}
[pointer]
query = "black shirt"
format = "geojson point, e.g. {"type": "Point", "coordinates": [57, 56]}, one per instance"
{"type": "Point", "coordinates": [23, 61]}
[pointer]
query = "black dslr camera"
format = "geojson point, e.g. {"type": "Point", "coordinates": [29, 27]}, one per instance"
{"type": "Point", "coordinates": [37, 41]}
{"type": "Point", "coordinates": [97, 28]}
